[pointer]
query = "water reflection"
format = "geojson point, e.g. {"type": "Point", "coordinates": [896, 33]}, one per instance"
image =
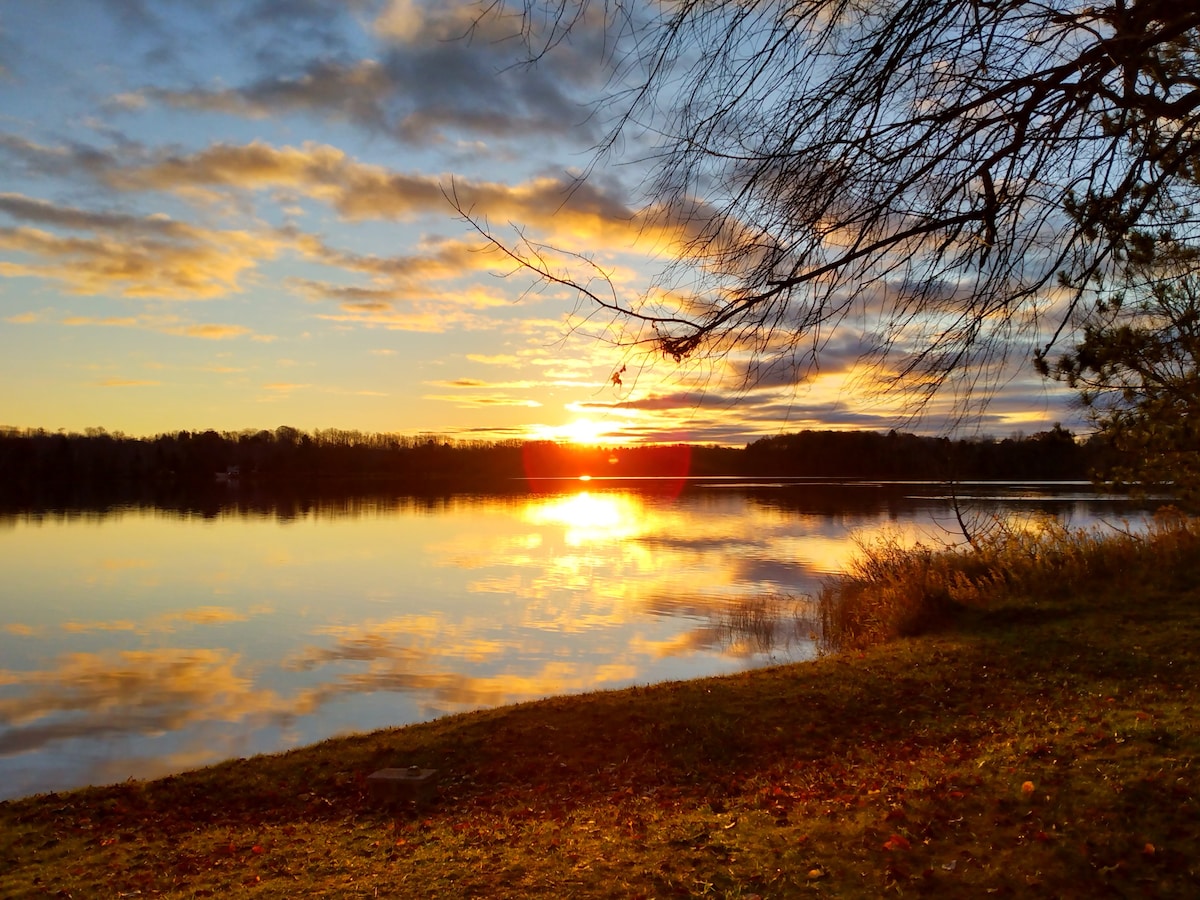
{"type": "Point", "coordinates": [588, 518]}
{"type": "Point", "coordinates": [94, 695]}
{"type": "Point", "coordinates": [139, 641]}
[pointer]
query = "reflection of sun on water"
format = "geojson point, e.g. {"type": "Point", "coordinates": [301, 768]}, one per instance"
{"type": "Point", "coordinates": [590, 518]}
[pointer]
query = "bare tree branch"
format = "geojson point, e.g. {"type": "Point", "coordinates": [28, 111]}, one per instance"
{"type": "Point", "coordinates": [951, 171]}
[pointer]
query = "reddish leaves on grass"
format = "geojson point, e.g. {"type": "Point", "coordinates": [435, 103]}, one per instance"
{"type": "Point", "coordinates": [897, 842]}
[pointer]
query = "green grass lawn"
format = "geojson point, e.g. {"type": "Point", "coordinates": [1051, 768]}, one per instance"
{"type": "Point", "coordinates": [1037, 743]}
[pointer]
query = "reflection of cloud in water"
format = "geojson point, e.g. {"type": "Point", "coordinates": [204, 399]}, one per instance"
{"type": "Point", "coordinates": [704, 637]}
{"type": "Point", "coordinates": [417, 639]}
{"type": "Point", "coordinates": [469, 692]}
{"type": "Point", "coordinates": [361, 649]}
{"type": "Point", "coordinates": [427, 626]}
{"type": "Point", "coordinates": [91, 763]}
{"type": "Point", "coordinates": [677, 604]}
{"type": "Point", "coordinates": [96, 696]}
{"type": "Point", "coordinates": [563, 601]}
{"type": "Point", "coordinates": [167, 623]}
{"type": "Point", "coordinates": [172, 690]}
{"type": "Point", "coordinates": [431, 661]}
{"type": "Point", "coordinates": [725, 543]}
{"type": "Point", "coordinates": [780, 574]}
{"type": "Point", "coordinates": [130, 692]}
{"type": "Point", "coordinates": [468, 552]}
{"type": "Point", "coordinates": [205, 749]}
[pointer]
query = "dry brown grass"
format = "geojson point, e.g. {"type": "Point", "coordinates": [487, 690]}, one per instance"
{"type": "Point", "coordinates": [891, 590]}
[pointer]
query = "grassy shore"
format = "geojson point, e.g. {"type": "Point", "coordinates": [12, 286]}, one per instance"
{"type": "Point", "coordinates": [1036, 737]}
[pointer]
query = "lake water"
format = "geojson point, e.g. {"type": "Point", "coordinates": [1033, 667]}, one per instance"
{"type": "Point", "coordinates": [139, 642]}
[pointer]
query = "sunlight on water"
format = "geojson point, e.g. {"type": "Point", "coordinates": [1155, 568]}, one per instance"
{"type": "Point", "coordinates": [142, 642]}
{"type": "Point", "coordinates": [590, 518]}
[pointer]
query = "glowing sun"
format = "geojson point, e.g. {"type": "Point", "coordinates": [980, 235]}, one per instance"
{"type": "Point", "coordinates": [582, 431]}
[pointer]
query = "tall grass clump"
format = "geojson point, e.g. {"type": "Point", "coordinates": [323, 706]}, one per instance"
{"type": "Point", "coordinates": [891, 590]}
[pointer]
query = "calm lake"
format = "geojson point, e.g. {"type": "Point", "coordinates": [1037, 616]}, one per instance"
{"type": "Point", "coordinates": [136, 642]}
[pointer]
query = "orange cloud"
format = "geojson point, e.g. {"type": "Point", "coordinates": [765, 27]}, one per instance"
{"type": "Point", "coordinates": [149, 257]}
{"type": "Point", "coordinates": [477, 402]}
{"type": "Point", "coordinates": [154, 256]}
{"type": "Point", "coordinates": [127, 382]}
{"type": "Point", "coordinates": [435, 320]}
{"type": "Point", "coordinates": [285, 387]}
{"type": "Point", "coordinates": [497, 359]}
{"type": "Point", "coordinates": [558, 208]}
{"type": "Point", "coordinates": [163, 324]}
{"type": "Point", "coordinates": [409, 22]}
{"type": "Point", "coordinates": [106, 322]}
{"type": "Point", "coordinates": [213, 332]}
{"type": "Point", "coordinates": [25, 318]}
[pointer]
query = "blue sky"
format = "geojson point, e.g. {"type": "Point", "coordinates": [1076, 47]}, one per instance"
{"type": "Point", "coordinates": [234, 215]}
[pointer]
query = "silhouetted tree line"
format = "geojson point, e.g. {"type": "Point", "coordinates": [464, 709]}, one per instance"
{"type": "Point", "coordinates": [1048, 455]}
{"type": "Point", "coordinates": [36, 461]}
{"type": "Point", "coordinates": [97, 464]}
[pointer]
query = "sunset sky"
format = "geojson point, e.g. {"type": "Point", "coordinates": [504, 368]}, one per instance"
{"type": "Point", "coordinates": [234, 215]}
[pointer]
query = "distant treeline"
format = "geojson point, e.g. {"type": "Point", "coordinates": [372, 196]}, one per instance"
{"type": "Point", "coordinates": [1047, 456]}
{"type": "Point", "coordinates": [34, 463]}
